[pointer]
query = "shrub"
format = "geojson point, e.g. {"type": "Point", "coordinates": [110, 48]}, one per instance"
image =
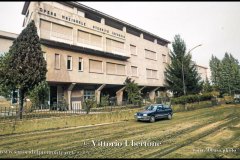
{"type": "Point", "coordinates": [192, 98]}
{"type": "Point", "coordinates": [89, 103]}
{"type": "Point", "coordinates": [104, 101]}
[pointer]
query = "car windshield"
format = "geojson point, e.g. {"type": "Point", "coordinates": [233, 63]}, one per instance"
{"type": "Point", "coordinates": [151, 108]}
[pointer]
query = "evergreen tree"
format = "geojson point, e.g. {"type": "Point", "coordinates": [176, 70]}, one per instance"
{"type": "Point", "coordinates": [24, 66]}
{"type": "Point", "coordinates": [181, 64]}
{"type": "Point", "coordinates": [229, 75]}
{"type": "Point", "coordinates": [132, 90]}
{"type": "Point", "coordinates": [215, 68]}
{"type": "Point", "coordinates": [4, 90]}
{"type": "Point", "coordinates": [207, 86]}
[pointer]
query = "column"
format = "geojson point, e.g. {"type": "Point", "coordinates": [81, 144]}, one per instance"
{"type": "Point", "coordinates": [102, 21]}
{"type": "Point", "coordinates": [119, 95]}
{"type": "Point", "coordinates": [70, 88]}
{"type": "Point", "coordinates": [152, 93]}
{"type": "Point", "coordinates": [98, 93]}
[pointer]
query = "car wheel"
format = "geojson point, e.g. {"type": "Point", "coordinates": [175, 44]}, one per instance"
{"type": "Point", "coordinates": [152, 119]}
{"type": "Point", "coordinates": [169, 116]}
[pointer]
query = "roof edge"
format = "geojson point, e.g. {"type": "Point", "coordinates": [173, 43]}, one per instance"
{"type": "Point", "coordinates": [25, 7]}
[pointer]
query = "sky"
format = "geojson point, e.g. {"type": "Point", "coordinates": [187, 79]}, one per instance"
{"type": "Point", "coordinates": [215, 25]}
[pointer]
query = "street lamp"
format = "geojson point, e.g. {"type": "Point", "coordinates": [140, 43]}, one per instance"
{"type": "Point", "coordinates": [184, 87]}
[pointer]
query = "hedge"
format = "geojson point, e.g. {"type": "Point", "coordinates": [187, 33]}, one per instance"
{"type": "Point", "coordinates": [192, 98]}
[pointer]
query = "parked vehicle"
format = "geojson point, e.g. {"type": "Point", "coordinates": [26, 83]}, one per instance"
{"type": "Point", "coordinates": [154, 112]}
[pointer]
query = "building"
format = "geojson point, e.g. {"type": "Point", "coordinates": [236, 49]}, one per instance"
{"type": "Point", "coordinates": [90, 53]}
{"type": "Point", "coordinates": [202, 71]}
{"type": "Point", "coordinates": [6, 40]}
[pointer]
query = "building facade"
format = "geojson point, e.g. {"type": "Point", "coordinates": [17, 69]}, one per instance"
{"type": "Point", "coordinates": [89, 53]}
{"type": "Point", "coordinates": [6, 40]}
{"type": "Point", "coordinates": [202, 71]}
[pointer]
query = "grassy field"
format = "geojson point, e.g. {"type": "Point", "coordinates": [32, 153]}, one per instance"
{"type": "Point", "coordinates": [204, 133]}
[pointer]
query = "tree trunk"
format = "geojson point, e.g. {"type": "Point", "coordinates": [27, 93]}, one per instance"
{"type": "Point", "coordinates": [21, 97]}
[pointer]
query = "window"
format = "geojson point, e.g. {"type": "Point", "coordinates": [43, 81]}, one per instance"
{"type": "Point", "coordinates": [57, 61]}
{"type": "Point", "coordinates": [95, 66]}
{"type": "Point", "coordinates": [80, 64]}
{"type": "Point", "coordinates": [117, 69]}
{"type": "Point", "coordinates": [45, 29]}
{"type": "Point", "coordinates": [61, 31]}
{"type": "Point", "coordinates": [69, 62]}
{"type": "Point", "coordinates": [134, 71]}
{"type": "Point", "coordinates": [164, 58]}
{"type": "Point", "coordinates": [150, 54]}
{"type": "Point", "coordinates": [88, 94]}
{"type": "Point", "coordinates": [88, 38]}
{"type": "Point", "coordinates": [151, 74]}
{"type": "Point", "coordinates": [133, 50]}
{"type": "Point", "coordinates": [113, 45]}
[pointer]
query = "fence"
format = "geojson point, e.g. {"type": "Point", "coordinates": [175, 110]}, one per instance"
{"type": "Point", "coordinates": [56, 110]}
{"type": "Point", "coordinates": [12, 113]}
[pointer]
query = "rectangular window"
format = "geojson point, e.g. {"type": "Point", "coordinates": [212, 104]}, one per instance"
{"type": "Point", "coordinates": [113, 45]}
{"type": "Point", "coordinates": [164, 58]}
{"type": "Point", "coordinates": [134, 71]}
{"type": "Point", "coordinates": [80, 64]}
{"type": "Point", "coordinates": [57, 61]}
{"type": "Point", "coordinates": [69, 62]}
{"type": "Point", "coordinates": [111, 68]}
{"type": "Point", "coordinates": [62, 32]}
{"type": "Point", "coordinates": [117, 69]}
{"type": "Point", "coordinates": [150, 54]}
{"type": "Point", "coordinates": [45, 27]}
{"type": "Point", "coordinates": [152, 74]}
{"type": "Point", "coordinates": [133, 50]}
{"type": "Point", "coordinates": [89, 94]}
{"type": "Point", "coordinates": [88, 38]}
{"type": "Point", "coordinates": [120, 69]}
{"type": "Point", "coordinates": [95, 66]}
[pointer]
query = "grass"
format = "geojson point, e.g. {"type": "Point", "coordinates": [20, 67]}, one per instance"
{"type": "Point", "coordinates": [26, 125]}
{"type": "Point", "coordinates": [184, 136]}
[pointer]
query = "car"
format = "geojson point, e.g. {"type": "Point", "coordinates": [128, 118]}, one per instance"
{"type": "Point", "coordinates": [154, 112]}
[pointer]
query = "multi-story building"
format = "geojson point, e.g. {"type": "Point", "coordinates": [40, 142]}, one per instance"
{"type": "Point", "coordinates": [90, 53]}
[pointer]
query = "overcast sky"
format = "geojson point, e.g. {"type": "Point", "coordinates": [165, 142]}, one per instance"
{"type": "Point", "coordinates": [215, 25]}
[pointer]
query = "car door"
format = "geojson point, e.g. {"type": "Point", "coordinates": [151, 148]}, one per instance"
{"type": "Point", "coordinates": [160, 111]}
{"type": "Point", "coordinates": [167, 110]}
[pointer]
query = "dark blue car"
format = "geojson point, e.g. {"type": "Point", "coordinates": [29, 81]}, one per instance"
{"type": "Point", "coordinates": [153, 112]}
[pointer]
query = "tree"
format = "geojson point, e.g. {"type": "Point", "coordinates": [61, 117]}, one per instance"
{"type": "Point", "coordinates": [229, 75]}
{"type": "Point", "coordinates": [24, 66]}
{"type": "Point", "coordinates": [4, 90]}
{"type": "Point", "coordinates": [207, 87]}
{"type": "Point", "coordinates": [215, 67]}
{"type": "Point", "coordinates": [39, 94]}
{"type": "Point", "coordinates": [181, 64]}
{"type": "Point", "coordinates": [134, 95]}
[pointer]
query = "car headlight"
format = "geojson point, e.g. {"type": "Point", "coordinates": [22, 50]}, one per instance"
{"type": "Point", "coordinates": [135, 114]}
{"type": "Point", "coordinates": [144, 114]}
